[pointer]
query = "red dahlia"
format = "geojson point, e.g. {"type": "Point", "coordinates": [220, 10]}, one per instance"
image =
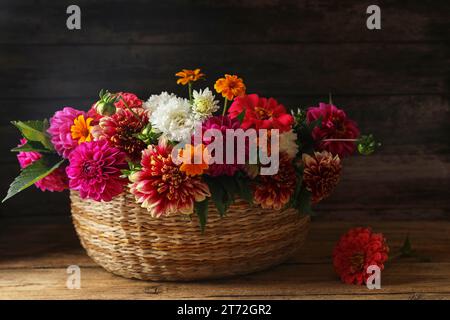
{"type": "Point", "coordinates": [358, 249]}
{"type": "Point", "coordinates": [261, 113]}
{"type": "Point", "coordinates": [130, 99]}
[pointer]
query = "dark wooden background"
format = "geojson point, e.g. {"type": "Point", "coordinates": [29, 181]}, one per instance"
{"type": "Point", "coordinates": [394, 82]}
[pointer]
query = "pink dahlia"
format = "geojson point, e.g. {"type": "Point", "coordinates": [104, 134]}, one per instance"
{"type": "Point", "coordinates": [95, 170]}
{"type": "Point", "coordinates": [121, 129]}
{"type": "Point", "coordinates": [335, 125]}
{"type": "Point", "coordinates": [261, 113]}
{"type": "Point", "coordinates": [162, 187]}
{"type": "Point", "coordinates": [221, 123]}
{"type": "Point", "coordinates": [55, 181]}
{"type": "Point", "coordinates": [60, 130]}
{"type": "Point", "coordinates": [358, 249]}
{"type": "Point", "coordinates": [131, 100]}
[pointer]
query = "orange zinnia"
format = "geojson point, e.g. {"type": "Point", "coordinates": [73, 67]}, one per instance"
{"type": "Point", "coordinates": [188, 155]}
{"type": "Point", "coordinates": [81, 129]}
{"type": "Point", "coordinates": [231, 86]}
{"type": "Point", "coordinates": [187, 76]}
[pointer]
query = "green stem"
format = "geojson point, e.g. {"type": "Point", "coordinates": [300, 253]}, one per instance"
{"type": "Point", "coordinates": [132, 112]}
{"type": "Point", "coordinates": [190, 91]}
{"type": "Point", "coordinates": [342, 140]}
{"type": "Point", "coordinates": [225, 104]}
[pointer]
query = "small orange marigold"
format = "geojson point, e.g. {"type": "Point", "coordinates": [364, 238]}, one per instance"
{"type": "Point", "coordinates": [187, 76]}
{"type": "Point", "coordinates": [231, 86]}
{"type": "Point", "coordinates": [189, 156]}
{"type": "Point", "coordinates": [81, 129]}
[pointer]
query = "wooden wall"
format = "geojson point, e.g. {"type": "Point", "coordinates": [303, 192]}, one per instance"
{"type": "Point", "coordinates": [394, 81]}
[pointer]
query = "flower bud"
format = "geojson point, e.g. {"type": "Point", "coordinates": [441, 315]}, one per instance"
{"type": "Point", "coordinates": [105, 108]}
{"type": "Point", "coordinates": [367, 145]}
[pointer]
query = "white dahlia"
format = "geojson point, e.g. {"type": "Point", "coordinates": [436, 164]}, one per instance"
{"type": "Point", "coordinates": [288, 143]}
{"type": "Point", "coordinates": [172, 116]}
{"type": "Point", "coordinates": [157, 100]}
{"type": "Point", "coordinates": [204, 104]}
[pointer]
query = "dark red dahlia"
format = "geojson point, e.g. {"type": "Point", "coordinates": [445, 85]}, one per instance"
{"type": "Point", "coordinates": [321, 174]}
{"type": "Point", "coordinates": [121, 129]}
{"type": "Point", "coordinates": [358, 249]}
{"type": "Point", "coordinates": [275, 191]}
{"type": "Point", "coordinates": [335, 126]}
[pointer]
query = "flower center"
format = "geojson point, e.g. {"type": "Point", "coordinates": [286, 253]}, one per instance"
{"type": "Point", "coordinates": [202, 105]}
{"type": "Point", "coordinates": [357, 261]}
{"type": "Point", "coordinates": [171, 181]}
{"type": "Point", "coordinates": [90, 169]}
{"type": "Point", "coordinates": [338, 125]}
{"type": "Point", "coordinates": [263, 114]}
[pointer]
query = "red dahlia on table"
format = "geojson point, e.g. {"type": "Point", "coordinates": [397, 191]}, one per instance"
{"type": "Point", "coordinates": [358, 249]}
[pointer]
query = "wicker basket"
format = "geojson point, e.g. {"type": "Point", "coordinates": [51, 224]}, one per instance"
{"type": "Point", "coordinates": [124, 239]}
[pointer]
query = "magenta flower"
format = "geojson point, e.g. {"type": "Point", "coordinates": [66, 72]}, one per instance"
{"type": "Point", "coordinates": [221, 123]}
{"type": "Point", "coordinates": [55, 181]}
{"type": "Point", "coordinates": [335, 126]}
{"type": "Point", "coordinates": [59, 130]}
{"type": "Point", "coordinates": [95, 170]}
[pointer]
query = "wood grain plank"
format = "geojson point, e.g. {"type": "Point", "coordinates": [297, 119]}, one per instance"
{"type": "Point", "coordinates": [315, 69]}
{"type": "Point", "coordinates": [36, 269]}
{"type": "Point", "coordinates": [281, 282]}
{"type": "Point", "coordinates": [171, 22]}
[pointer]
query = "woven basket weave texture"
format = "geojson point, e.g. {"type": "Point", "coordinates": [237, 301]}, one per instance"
{"type": "Point", "coordinates": [124, 239]}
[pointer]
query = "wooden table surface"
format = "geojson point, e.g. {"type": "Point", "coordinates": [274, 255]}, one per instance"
{"type": "Point", "coordinates": [34, 255]}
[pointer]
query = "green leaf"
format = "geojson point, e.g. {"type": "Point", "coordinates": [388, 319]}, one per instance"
{"type": "Point", "coordinates": [35, 130]}
{"type": "Point", "coordinates": [406, 249]}
{"type": "Point", "coordinates": [230, 186]}
{"type": "Point", "coordinates": [217, 195]}
{"type": "Point", "coordinates": [315, 123]}
{"type": "Point", "coordinates": [295, 199]}
{"type": "Point", "coordinates": [244, 190]}
{"type": "Point", "coordinates": [201, 209]}
{"type": "Point", "coordinates": [31, 174]}
{"type": "Point", "coordinates": [241, 116]}
{"type": "Point", "coordinates": [30, 146]}
{"type": "Point", "coordinates": [304, 204]}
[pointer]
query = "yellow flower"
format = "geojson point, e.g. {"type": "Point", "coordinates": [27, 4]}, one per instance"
{"type": "Point", "coordinates": [81, 129]}
{"type": "Point", "coordinates": [187, 76]}
{"type": "Point", "coordinates": [189, 156]}
{"type": "Point", "coordinates": [231, 86]}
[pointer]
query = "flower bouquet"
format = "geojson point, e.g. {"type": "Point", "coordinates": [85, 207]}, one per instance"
{"type": "Point", "coordinates": [179, 188]}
